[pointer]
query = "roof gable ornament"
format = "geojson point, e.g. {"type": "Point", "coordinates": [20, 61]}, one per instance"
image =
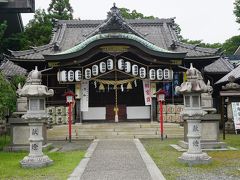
{"type": "Point", "coordinates": [115, 23]}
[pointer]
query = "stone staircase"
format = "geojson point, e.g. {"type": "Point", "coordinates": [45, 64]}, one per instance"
{"type": "Point", "coordinates": [114, 130]}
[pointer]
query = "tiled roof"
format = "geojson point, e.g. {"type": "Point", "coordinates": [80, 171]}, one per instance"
{"type": "Point", "coordinates": [9, 69]}
{"type": "Point", "coordinates": [221, 66]}
{"type": "Point", "coordinates": [160, 32]}
{"type": "Point", "coordinates": [235, 73]}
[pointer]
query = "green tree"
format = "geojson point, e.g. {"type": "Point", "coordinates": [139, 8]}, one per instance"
{"type": "Point", "coordinates": [38, 31]}
{"type": "Point", "coordinates": [127, 14]}
{"type": "Point", "coordinates": [7, 96]}
{"type": "Point", "coordinates": [231, 45]}
{"type": "Point", "coordinates": [236, 10]}
{"type": "Point", "coordinates": [60, 9]}
{"type": "Point", "coordinates": [15, 80]}
{"type": "Point", "coordinates": [202, 44]}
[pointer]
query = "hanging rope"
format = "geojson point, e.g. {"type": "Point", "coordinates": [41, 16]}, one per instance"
{"type": "Point", "coordinates": [115, 82]}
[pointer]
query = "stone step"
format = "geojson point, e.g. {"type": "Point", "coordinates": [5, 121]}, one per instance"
{"type": "Point", "coordinates": [113, 130]}
{"type": "Point", "coordinates": [130, 125]}
{"type": "Point", "coordinates": [116, 133]}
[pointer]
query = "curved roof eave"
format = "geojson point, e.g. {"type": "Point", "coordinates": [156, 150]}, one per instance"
{"type": "Point", "coordinates": [116, 38]}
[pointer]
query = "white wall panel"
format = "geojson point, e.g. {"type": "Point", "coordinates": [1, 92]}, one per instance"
{"type": "Point", "coordinates": [95, 113]}
{"type": "Point", "coordinates": [138, 112]}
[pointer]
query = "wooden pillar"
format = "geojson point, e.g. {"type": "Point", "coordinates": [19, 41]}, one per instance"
{"type": "Point", "coordinates": [78, 111]}
{"type": "Point", "coordinates": [154, 109]}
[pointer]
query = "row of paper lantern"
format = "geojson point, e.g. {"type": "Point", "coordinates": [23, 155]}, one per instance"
{"type": "Point", "coordinates": [159, 74]}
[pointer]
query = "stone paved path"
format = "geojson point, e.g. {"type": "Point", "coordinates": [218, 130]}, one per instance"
{"type": "Point", "coordinates": [115, 160]}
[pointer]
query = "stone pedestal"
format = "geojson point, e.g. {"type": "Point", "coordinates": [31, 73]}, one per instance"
{"type": "Point", "coordinates": [209, 135]}
{"type": "Point", "coordinates": [36, 158]}
{"type": "Point", "coordinates": [194, 155]}
{"type": "Point", "coordinates": [19, 132]}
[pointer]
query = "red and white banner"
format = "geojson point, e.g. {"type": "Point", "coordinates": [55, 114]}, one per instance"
{"type": "Point", "coordinates": [236, 114]}
{"type": "Point", "coordinates": [147, 92]}
{"type": "Point", "coordinates": [84, 95]}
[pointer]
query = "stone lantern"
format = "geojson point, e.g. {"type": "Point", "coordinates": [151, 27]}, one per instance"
{"type": "Point", "coordinates": [35, 116]}
{"type": "Point", "coordinates": [193, 114]}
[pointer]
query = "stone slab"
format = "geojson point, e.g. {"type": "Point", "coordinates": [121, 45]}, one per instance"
{"type": "Point", "coordinates": [181, 149]}
{"type": "Point", "coordinates": [151, 166]}
{"type": "Point", "coordinates": [205, 144]}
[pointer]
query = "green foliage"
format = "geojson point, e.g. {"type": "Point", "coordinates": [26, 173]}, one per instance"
{"type": "Point", "coordinates": [202, 44]}
{"type": "Point", "coordinates": [38, 31]}
{"type": "Point", "coordinates": [7, 96]}
{"type": "Point", "coordinates": [15, 80]}
{"type": "Point", "coordinates": [60, 9]}
{"type": "Point", "coordinates": [236, 10]}
{"type": "Point", "coordinates": [231, 45]}
{"type": "Point", "coordinates": [126, 14]}
{"type": "Point", "coordinates": [15, 42]}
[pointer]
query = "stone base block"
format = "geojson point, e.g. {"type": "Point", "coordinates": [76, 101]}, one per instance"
{"type": "Point", "coordinates": [194, 159]}
{"type": "Point", "coordinates": [36, 161]}
{"type": "Point", "coordinates": [205, 145]}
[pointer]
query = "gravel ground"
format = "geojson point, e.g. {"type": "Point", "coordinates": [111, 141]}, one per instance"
{"type": "Point", "coordinates": [116, 160]}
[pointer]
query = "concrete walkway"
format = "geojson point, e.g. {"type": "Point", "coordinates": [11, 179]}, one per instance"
{"type": "Point", "coordinates": [116, 159]}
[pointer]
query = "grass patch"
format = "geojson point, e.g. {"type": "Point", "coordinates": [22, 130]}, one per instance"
{"type": "Point", "coordinates": [64, 164]}
{"type": "Point", "coordinates": [166, 158]}
{"type": "Point", "coordinates": [232, 140]}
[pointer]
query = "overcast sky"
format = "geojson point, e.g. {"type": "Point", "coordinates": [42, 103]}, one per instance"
{"type": "Point", "coordinates": [207, 20]}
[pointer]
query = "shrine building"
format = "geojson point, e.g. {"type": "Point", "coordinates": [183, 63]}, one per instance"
{"type": "Point", "coordinates": [114, 66]}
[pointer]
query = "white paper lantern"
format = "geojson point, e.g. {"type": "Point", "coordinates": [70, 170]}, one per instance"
{"type": "Point", "coordinates": [88, 73]}
{"type": "Point", "coordinates": [135, 70]}
{"type": "Point", "coordinates": [166, 74]}
{"type": "Point", "coordinates": [127, 67]}
{"type": "Point", "coordinates": [102, 67]}
{"type": "Point", "coordinates": [159, 74]}
{"type": "Point", "coordinates": [63, 76]}
{"type": "Point", "coordinates": [110, 64]}
{"type": "Point", "coordinates": [121, 64]}
{"type": "Point", "coordinates": [78, 75]}
{"type": "Point", "coordinates": [152, 74]}
{"type": "Point", "coordinates": [95, 70]}
{"type": "Point", "coordinates": [71, 75]}
{"type": "Point", "coordinates": [142, 73]}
